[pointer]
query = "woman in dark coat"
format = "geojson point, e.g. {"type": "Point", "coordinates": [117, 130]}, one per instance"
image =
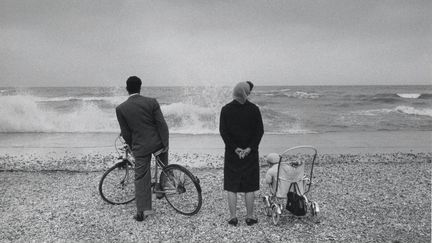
{"type": "Point", "coordinates": [241, 128]}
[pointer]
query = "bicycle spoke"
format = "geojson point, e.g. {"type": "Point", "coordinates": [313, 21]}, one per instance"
{"type": "Point", "coordinates": [181, 192]}
{"type": "Point", "coordinates": [117, 186]}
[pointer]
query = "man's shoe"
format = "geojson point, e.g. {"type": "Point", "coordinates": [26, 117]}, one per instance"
{"type": "Point", "coordinates": [160, 195]}
{"type": "Point", "coordinates": [233, 221]}
{"type": "Point", "coordinates": [139, 216]}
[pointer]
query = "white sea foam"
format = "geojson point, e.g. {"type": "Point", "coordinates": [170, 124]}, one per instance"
{"type": "Point", "coordinates": [372, 112]}
{"type": "Point", "coordinates": [294, 131]}
{"type": "Point", "coordinates": [409, 96]}
{"type": "Point", "coordinates": [289, 93]}
{"type": "Point", "coordinates": [302, 95]}
{"type": "Point", "coordinates": [414, 111]}
{"type": "Point", "coordinates": [273, 92]}
{"type": "Point", "coordinates": [115, 100]}
{"type": "Point", "coordinates": [22, 114]}
{"type": "Point", "coordinates": [399, 109]}
{"type": "Point", "coordinates": [196, 110]}
{"type": "Point", "coordinates": [25, 113]}
{"type": "Point", "coordinates": [191, 119]}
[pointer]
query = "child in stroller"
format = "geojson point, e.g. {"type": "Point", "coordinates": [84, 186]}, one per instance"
{"type": "Point", "coordinates": [285, 176]}
{"type": "Point", "coordinates": [288, 173]}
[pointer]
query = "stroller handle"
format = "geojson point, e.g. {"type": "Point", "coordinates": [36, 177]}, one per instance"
{"type": "Point", "coordinates": [300, 147]}
{"type": "Point", "coordinates": [313, 162]}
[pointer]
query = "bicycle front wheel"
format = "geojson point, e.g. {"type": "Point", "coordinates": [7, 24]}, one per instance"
{"type": "Point", "coordinates": [182, 189]}
{"type": "Point", "coordinates": [117, 184]}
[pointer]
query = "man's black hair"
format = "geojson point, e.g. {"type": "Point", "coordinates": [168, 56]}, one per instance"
{"type": "Point", "coordinates": [133, 84]}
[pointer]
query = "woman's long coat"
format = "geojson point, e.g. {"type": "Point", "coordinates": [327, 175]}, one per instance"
{"type": "Point", "coordinates": [241, 126]}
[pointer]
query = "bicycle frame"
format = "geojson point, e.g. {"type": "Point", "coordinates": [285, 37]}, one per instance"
{"type": "Point", "coordinates": [177, 184]}
{"type": "Point", "coordinates": [127, 156]}
{"type": "Point", "coordinates": [158, 165]}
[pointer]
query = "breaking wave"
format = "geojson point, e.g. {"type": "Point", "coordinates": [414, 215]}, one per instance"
{"type": "Point", "coordinates": [25, 113]}
{"type": "Point", "coordinates": [399, 109]}
{"type": "Point", "coordinates": [409, 96]}
{"type": "Point", "coordinates": [392, 98]}
{"type": "Point", "coordinates": [191, 119]}
{"type": "Point", "coordinates": [414, 111]}
{"type": "Point", "coordinates": [196, 110]}
{"type": "Point", "coordinates": [288, 93]}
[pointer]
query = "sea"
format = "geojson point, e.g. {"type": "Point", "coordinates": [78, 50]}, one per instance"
{"type": "Point", "coordinates": [75, 128]}
{"type": "Point", "coordinates": [196, 110]}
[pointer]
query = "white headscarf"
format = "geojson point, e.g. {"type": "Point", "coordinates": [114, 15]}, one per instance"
{"type": "Point", "coordinates": [241, 92]}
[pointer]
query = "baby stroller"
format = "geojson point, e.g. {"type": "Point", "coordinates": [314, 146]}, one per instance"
{"type": "Point", "coordinates": [292, 183]}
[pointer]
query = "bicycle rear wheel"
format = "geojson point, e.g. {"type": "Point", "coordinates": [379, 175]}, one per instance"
{"type": "Point", "coordinates": [182, 189]}
{"type": "Point", "coordinates": [117, 184]}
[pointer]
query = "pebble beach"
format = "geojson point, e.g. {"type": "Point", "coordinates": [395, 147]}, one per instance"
{"type": "Point", "coordinates": [368, 190]}
{"type": "Point", "coordinates": [363, 197]}
{"type": "Point", "coordinates": [346, 86]}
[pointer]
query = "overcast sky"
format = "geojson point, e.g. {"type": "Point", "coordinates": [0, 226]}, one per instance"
{"type": "Point", "coordinates": [215, 42]}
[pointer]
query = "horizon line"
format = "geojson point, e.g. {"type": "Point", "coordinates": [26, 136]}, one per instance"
{"type": "Point", "coordinates": [267, 85]}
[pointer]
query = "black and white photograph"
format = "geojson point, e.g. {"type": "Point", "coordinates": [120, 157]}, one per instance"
{"type": "Point", "coordinates": [215, 120]}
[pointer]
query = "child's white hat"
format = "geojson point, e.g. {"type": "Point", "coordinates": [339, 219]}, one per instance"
{"type": "Point", "coordinates": [273, 158]}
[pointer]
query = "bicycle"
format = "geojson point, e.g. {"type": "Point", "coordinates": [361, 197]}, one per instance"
{"type": "Point", "coordinates": [181, 188]}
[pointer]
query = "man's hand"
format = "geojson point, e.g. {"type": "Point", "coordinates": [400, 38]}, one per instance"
{"type": "Point", "coordinates": [165, 149]}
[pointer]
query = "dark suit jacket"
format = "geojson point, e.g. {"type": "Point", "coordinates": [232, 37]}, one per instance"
{"type": "Point", "coordinates": [142, 125]}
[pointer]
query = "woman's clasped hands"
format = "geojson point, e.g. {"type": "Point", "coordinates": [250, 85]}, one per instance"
{"type": "Point", "coordinates": [243, 152]}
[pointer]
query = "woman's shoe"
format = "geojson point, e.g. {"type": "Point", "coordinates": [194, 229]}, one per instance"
{"type": "Point", "coordinates": [233, 221]}
{"type": "Point", "coordinates": [251, 221]}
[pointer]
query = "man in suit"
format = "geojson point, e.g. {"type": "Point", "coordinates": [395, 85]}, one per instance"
{"type": "Point", "coordinates": [144, 129]}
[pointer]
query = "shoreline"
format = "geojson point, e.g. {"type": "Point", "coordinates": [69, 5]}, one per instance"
{"type": "Point", "coordinates": [326, 143]}
{"type": "Point", "coordinates": [100, 163]}
{"type": "Point", "coordinates": [96, 152]}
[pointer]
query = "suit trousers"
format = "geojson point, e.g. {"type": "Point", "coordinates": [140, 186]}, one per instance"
{"type": "Point", "coordinates": [143, 193]}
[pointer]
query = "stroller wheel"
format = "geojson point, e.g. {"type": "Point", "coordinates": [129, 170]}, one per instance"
{"type": "Point", "coordinates": [267, 208]}
{"type": "Point", "coordinates": [275, 213]}
{"type": "Point", "coordinates": [267, 211]}
{"type": "Point", "coordinates": [315, 208]}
